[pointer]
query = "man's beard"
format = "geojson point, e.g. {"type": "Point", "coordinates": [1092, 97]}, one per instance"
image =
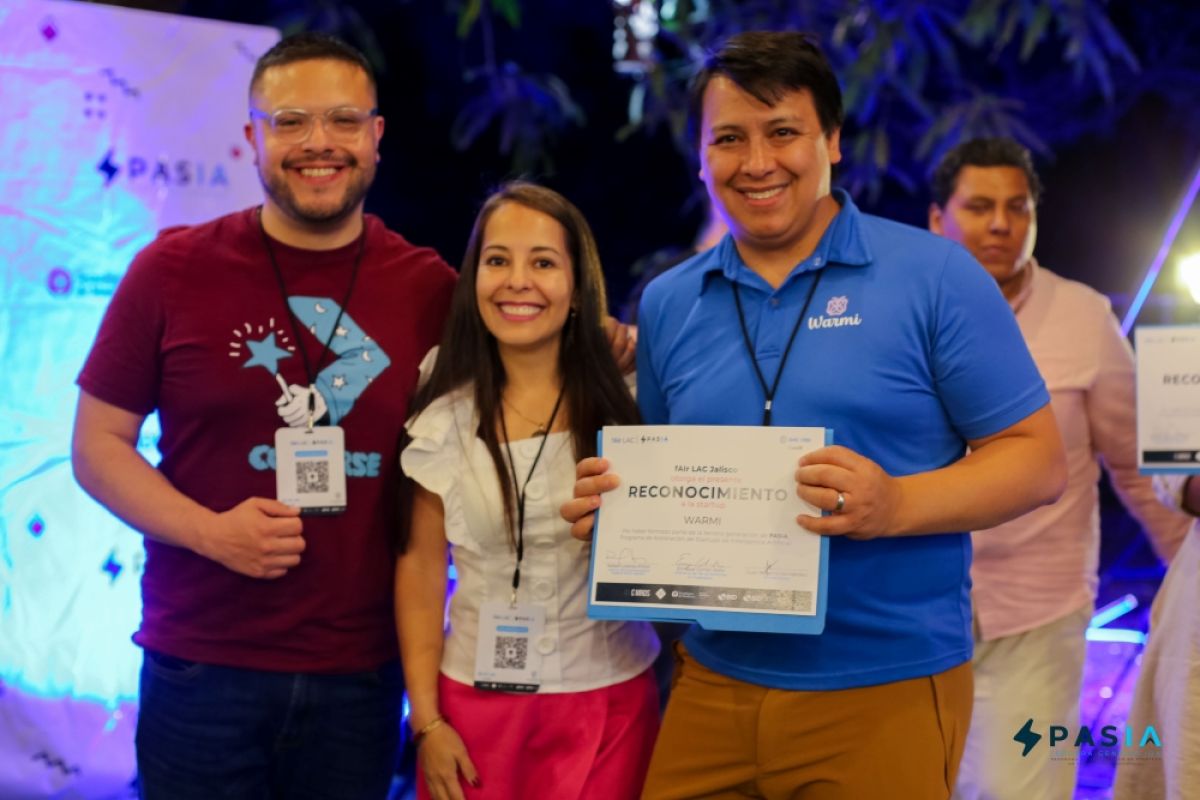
{"type": "Point", "coordinates": [319, 213]}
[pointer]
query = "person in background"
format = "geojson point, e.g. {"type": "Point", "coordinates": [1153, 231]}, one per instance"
{"type": "Point", "coordinates": [523, 696]}
{"type": "Point", "coordinates": [1034, 578]}
{"type": "Point", "coordinates": [904, 347]}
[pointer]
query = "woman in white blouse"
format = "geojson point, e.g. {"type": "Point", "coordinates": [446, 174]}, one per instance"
{"type": "Point", "coordinates": [523, 696]}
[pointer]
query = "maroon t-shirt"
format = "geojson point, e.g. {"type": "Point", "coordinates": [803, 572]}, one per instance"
{"type": "Point", "coordinates": [198, 330]}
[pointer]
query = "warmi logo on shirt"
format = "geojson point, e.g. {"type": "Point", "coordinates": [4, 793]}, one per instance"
{"type": "Point", "coordinates": [835, 315]}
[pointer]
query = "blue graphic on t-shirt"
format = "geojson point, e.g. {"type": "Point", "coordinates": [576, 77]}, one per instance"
{"type": "Point", "coordinates": [359, 358]}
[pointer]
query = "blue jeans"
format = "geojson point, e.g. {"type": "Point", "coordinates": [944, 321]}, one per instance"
{"type": "Point", "coordinates": [208, 732]}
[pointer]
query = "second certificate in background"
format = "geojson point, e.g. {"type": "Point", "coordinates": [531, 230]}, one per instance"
{"type": "Point", "coordinates": [1168, 397]}
{"type": "Point", "coordinates": [703, 527]}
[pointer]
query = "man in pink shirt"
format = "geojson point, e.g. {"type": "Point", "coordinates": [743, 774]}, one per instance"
{"type": "Point", "coordinates": [1034, 578]}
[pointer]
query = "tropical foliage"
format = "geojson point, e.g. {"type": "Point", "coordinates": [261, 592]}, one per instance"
{"type": "Point", "coordinates": [918, 75]}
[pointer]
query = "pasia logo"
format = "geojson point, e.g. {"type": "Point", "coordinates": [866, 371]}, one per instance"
{"type": "Point", "coordinates": [1109, 736]}
{"type": "Point", "coordinates": [164, 171]}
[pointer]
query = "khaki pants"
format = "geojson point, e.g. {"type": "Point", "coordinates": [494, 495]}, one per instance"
{"type": "Point", "coordinates": [723, 738]}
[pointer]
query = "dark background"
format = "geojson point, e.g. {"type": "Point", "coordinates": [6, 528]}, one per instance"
{"type": "Point", "coordinates": [1114, 168]}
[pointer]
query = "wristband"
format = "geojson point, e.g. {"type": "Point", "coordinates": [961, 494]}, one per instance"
{"type": "Point", "coordinates": [433, 724]}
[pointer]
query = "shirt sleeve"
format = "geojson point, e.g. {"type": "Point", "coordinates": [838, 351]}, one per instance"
{"type": "Point", "coordinates": [984, 373]}
{"type": "Point", "coordinates": [425, 368]}
{"type": "Point", "coordinates": [123, 367]}
{"type": "Point", "coordinates": [1113, 427]}
{"type": "Point", "coordinates": [435, 458]}
{"type": "Point", "coordinates": [650, 399]}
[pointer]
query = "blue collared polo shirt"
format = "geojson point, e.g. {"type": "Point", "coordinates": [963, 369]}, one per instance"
{"type": "Point", "coordinates": [907, 350]}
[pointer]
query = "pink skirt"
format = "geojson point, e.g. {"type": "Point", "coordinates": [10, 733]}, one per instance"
{"type": "Point", "coordinates": [592, 745]}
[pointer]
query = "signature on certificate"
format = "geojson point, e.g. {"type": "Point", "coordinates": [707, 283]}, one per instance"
{"type": "Point", "coordinates": [689, 563]}
{"type": "Point", "coordinates": [772, 569]}
{"type": "Point", "coordinates": [625, 557]}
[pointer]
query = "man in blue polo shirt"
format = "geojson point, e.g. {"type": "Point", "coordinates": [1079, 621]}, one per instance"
{"type": "Point", "coordinates": [901, 343]}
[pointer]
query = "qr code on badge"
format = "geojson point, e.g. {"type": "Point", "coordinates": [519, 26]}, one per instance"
{"type": "Point", "coordinates": [312, 477]}
{"type": "Point", "coordinates": [511, 652]}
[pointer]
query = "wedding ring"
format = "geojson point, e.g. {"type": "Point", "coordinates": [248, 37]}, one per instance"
{"type": "Point", "coordinates": [841, 503]}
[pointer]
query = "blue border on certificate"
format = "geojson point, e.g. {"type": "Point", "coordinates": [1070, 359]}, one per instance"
{"type": "Point", "coordinates": [1168, 467]}
{"type": "Point", "coordinates": [716, 620]}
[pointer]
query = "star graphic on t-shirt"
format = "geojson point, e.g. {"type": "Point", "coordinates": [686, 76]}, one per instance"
{"type": "Point", "coordinates": [266, 354]}
{"type": "Point", "coordinates": [339, 381]}
{"type": "Point", "coordinates": [236, 349]}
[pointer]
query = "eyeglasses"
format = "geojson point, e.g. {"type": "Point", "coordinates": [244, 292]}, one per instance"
{"type": "Point", "coordinates": [295, 125]}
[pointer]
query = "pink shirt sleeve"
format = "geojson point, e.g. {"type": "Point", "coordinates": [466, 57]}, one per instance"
{"type": "Point", "coordinates": [1111, 416]}
{"type": "Point", "coordinates": [1043, 565]}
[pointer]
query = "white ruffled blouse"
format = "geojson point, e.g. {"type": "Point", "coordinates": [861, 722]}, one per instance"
{"type": "Point", "coordinates": [447, 458]}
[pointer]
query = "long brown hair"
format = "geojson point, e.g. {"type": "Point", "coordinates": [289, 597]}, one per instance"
{"type": "Point", "coordinates": [594, 393]}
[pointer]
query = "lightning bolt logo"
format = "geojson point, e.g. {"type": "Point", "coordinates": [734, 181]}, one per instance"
{"type": "Point", "coordinates": [1027, 737]}
{"type": "Point", "coordinates": [108, 168]}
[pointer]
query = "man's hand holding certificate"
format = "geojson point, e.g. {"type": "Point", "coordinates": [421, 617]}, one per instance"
{"type": "Point", "coordinates": [703, 527]}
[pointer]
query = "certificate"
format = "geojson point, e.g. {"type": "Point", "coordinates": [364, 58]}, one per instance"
{"type": "Point", "coordinates": [1168, 398]}
{"type": "Point", "coordinates": [703, 528]}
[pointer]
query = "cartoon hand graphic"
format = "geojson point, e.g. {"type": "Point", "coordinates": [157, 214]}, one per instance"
{"type": "Point", "coordinates": [292, 405]}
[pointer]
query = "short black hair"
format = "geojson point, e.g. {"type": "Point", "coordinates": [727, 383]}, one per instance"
{"type": "Point", "coordinates": [768, 65]}
{"type": "Point", "coordinates": [999, 151]}
{"type": "Point", "coordinates": [310, 46]}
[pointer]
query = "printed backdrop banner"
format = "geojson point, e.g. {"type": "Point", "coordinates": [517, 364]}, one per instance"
{"type": "Point", "coordinates": [116, 123]}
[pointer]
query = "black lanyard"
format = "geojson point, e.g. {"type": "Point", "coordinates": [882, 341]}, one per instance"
{"type": "Point", "coordinates": [512, 466]}
{"type": "Point", "coordinates": [770, 393]}
{"type": "Point", "coordinates": [310, 372]}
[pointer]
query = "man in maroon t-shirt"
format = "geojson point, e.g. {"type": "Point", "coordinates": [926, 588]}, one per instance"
{"type": "Point", "coordinates": [270, 666]}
